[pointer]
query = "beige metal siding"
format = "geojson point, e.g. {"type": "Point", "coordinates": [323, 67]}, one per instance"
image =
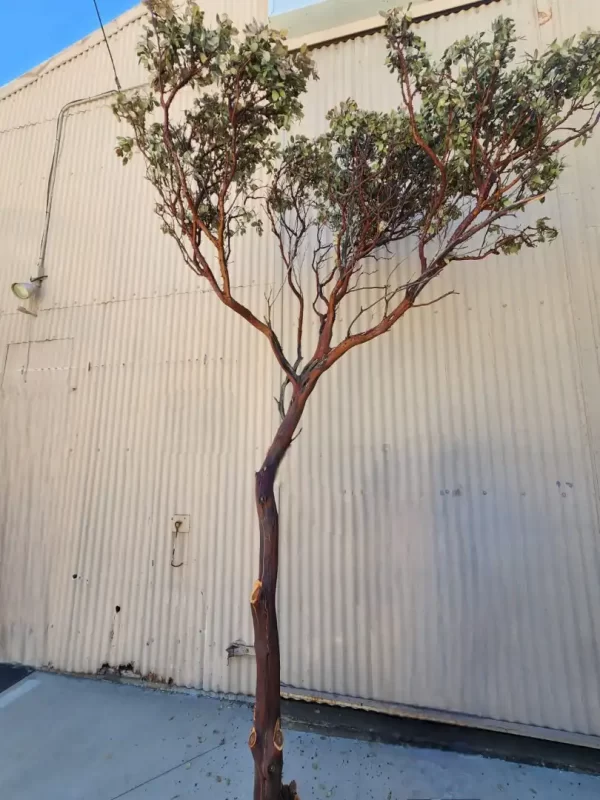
{"type": "Point", "coordinates": [168, 401]}
{"type": "Point", "coordinates": [440, 510]}
{"type": "Point", "coordinates": [167, 397]}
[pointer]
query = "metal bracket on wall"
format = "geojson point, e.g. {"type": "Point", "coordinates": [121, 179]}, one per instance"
{"type": "Point", "coordinates": [239, 648]}
{"type": "Point", "coordinates": [24, 310]}
{"type": "Point", "coordinates": [180, 523]}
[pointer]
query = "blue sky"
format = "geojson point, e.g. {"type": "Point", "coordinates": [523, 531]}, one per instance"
{"type": "Point", "coordinates": [33, 30]}
{"type": "Point", "coordinates": [279, 6]}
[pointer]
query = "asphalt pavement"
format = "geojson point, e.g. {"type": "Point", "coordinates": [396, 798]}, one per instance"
{"type": "Point", "coordinates": [65, 738]}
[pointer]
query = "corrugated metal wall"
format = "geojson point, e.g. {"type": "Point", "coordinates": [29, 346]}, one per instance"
{"type": "Point", "coordinates": [440, 510]}
{"type": "Point", "coordinates": [144, 400]}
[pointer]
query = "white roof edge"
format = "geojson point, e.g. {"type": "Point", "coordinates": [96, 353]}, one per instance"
{"type": "Point", "coordinates": [74, 50]}
{"type": "Point", "coordinates": [315, 39]}
{"type": "Point", "coordinates": [370, 24]}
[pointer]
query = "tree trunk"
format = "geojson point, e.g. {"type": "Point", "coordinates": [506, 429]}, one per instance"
{"type": "Point", "coordinates": [266, 736]}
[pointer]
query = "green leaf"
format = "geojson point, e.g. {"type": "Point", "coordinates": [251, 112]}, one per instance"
{"type": "Point", "coordinates": [482, 122]}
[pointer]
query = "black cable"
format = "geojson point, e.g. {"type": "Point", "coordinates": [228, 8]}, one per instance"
{"type": "Point", "coordinates": [112, 61]}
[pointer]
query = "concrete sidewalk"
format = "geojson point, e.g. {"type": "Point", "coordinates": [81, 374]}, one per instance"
{"type": "Point", "coordinates": [69, 739]}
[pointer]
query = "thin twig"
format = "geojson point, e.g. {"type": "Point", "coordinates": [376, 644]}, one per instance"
{"type": "Point", "coordinates": [437, 300]}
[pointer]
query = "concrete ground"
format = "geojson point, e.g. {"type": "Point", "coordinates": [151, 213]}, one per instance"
{"type": "Point", "coordinates": [69, 739]}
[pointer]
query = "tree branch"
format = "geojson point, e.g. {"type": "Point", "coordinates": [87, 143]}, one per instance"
{"type": "Point", "coordinates": [437, 300]}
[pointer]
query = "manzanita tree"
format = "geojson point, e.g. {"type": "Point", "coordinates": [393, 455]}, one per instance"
{"type": "Point", "coordinates": [476, 140]}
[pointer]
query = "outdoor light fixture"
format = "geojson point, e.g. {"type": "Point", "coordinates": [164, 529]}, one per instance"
{"type": "Point", "coordinates": [25, 289]}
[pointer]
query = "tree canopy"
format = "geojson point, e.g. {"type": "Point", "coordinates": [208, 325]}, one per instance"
{"type": "Point", "coordinates": [478, 136]}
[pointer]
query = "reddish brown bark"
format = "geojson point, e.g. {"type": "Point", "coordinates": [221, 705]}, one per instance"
{"type": "Point", "coordinates": [266, 736]}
